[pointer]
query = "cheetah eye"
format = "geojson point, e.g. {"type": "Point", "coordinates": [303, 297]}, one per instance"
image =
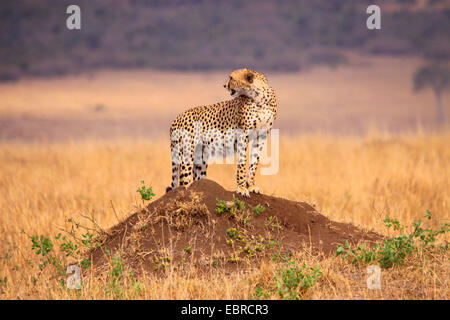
{"type": "Point", "coordinates": [249, 77]}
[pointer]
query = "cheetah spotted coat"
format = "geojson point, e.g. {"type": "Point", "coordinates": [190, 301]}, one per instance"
{"type": "Point", "coordinates": [219, 129]}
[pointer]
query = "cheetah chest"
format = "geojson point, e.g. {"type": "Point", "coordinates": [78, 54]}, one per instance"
{"type": "Point", "coordinates": [264, 119]}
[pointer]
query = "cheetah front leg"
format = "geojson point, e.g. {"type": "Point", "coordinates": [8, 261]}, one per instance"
{"type": "Point", "coordinates": [202, 165]}
{"type": "Point", "coordinates": [242, 164]}
{"type": "Point", "coordinates": [258, 139]}
{"type": "Point", "coordinates": [198, 158]}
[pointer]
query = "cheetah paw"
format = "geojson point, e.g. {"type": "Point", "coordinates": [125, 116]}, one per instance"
{"type": "Point", "coordinates": [254, 189]}
{"type": "Point", "coordinates": [243, 192]}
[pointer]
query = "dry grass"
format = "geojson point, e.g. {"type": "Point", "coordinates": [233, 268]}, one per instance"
{"type": "Point", "coordinates": [351, 179]}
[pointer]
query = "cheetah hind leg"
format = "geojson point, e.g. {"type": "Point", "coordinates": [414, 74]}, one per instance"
{"type": "Point", "coordinates": [187, 163]}
{"type": "Point", "coordinates": [198, 161]}
{"type": "Point", "coordinates": [175, 177]}
{"type": "Point", "coordinates": [176, 159]}
{"type": "Point", "coordinates": [206, 150]}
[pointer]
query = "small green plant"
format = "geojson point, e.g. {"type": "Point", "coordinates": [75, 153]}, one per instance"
{"type": "Point", "coordinates": [293, 280]}
{"type": "Point", "coordinates": [161, 262]}
{"type": "Point", "coordinates": [88, 239]}
{"type": "Point", "coordinates": [233, 233]}
{"type": "Point", "coordinates": [188, 249]}
{"type": "Point", "coordinates": [117, 269]}
{"type": "Point", "coordinates": [231, 207]}
{"type": "Point", "coordinates": [85, 263]}
{"type": "Point", "coordinates": [222, 206]}
{"type": "Point", "coordinates": [239, 203]}
{"type": "Point", "coordinates": [244, 244]}
{"type": "Point", "coordinates": [137, 286]}
{"type": "Point", "coordinates": [238, 209]}
{"type": "Point", "coordinates": [360, 254]}
{"type": "Point", "coordinates": [43, 247]}
{"type": "Point", "coordinates": [234, 257]}
{"type": "Point", "coordinates": [283, 256]}
{"type": "Point", "coordinates": [394, 250]}
{"type": "Point", "coordinates": [53, 251]}
{"type": "Point", "coordinates": [67, 246]}
{"type": "Point", "coordinates": [121, 281]}
{"type": "Point", "coordinates": [273, 243]}
{"type": "Point", "coordinates": [274, 224]}
{"type": "Point", "coordinates": [3, 284]}
{"type": "Point", "coordinates": [260, 294]}
{"type": "Point", "coordinates": [146, 193]}
{"type": "Point", "coordinates": [252, 247]}
{"type": "Point", "coordinates": [258, 209]}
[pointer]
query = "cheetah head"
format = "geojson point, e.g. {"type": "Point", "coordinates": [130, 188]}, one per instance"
{"type": "Point", "coordinates": [246, 82]}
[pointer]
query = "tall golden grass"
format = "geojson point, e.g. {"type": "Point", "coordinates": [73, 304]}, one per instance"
{"type": "Point", "coordinates": [350, 179]}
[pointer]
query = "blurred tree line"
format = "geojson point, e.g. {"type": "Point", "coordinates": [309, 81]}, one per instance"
{"type": "Point", "coordinates": [286, 35]}
{"type": "Point", "coordinates": [434, 76]}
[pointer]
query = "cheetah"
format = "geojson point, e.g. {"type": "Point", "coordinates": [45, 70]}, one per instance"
{"type": "Point", "coordinates": [229, 126]}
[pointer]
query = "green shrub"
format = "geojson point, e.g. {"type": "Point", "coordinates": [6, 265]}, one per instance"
{"type": "Point", "coordinates": [394, 250]}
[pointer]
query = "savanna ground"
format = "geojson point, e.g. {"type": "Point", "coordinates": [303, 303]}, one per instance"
{"type": "Point", "coordinates": [81, 146]}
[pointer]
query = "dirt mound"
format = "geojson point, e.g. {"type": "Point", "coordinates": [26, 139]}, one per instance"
{"type": "Point", "coordinates": [208, 226]}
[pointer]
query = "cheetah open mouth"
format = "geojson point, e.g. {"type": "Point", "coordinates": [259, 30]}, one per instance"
{"type": "Point", "coordinates": [232, 92]}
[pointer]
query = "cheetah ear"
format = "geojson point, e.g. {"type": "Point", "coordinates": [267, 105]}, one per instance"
{"type": "Point", "coordinates": [249, 77]}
